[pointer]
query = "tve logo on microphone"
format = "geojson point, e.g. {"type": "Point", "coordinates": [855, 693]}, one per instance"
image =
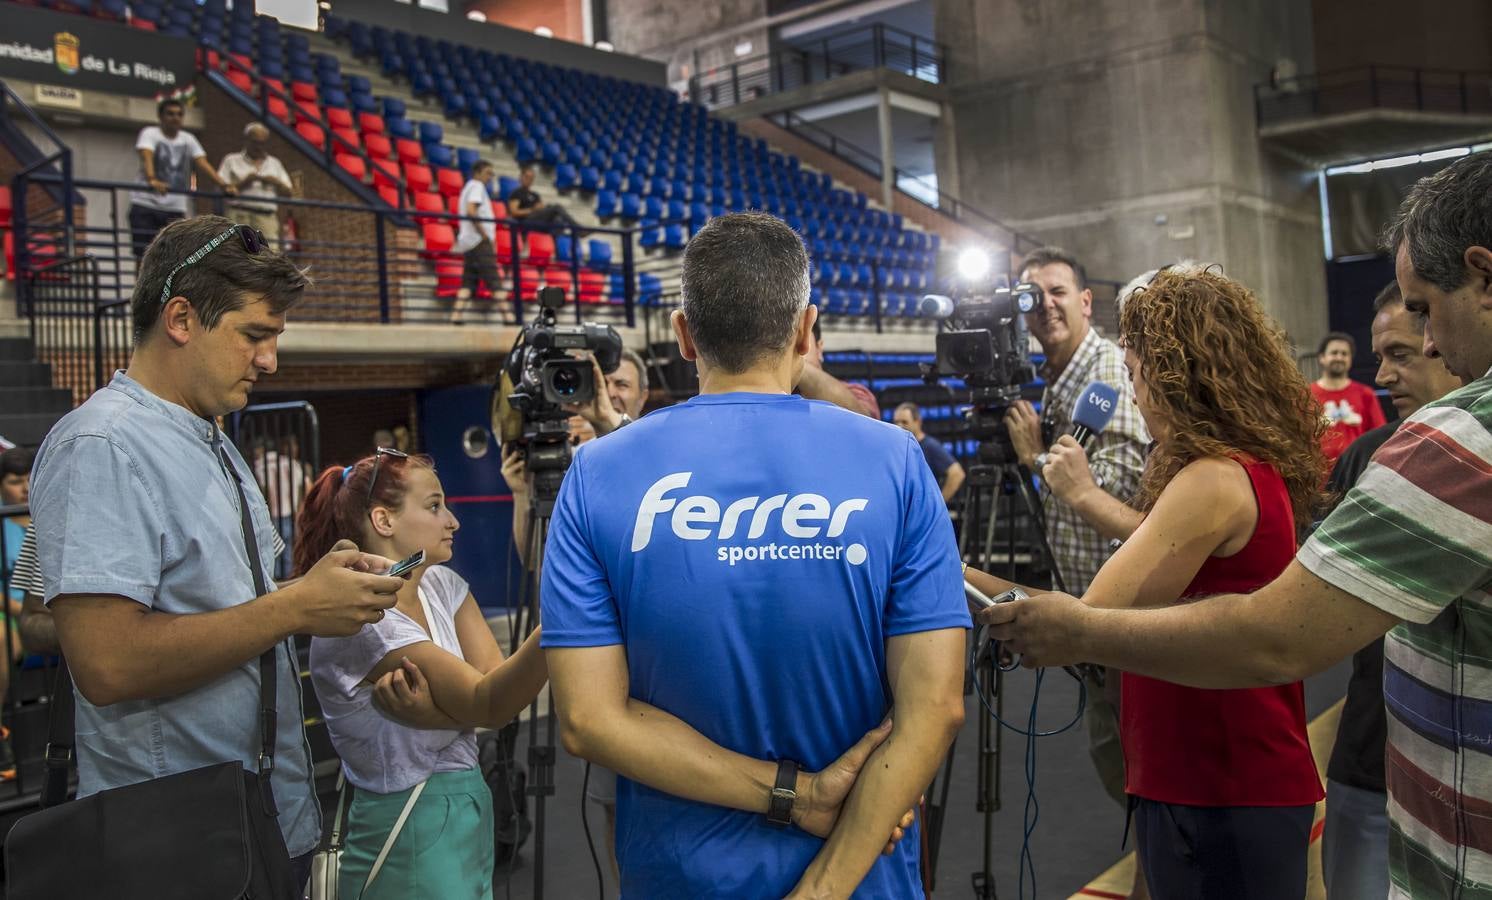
{"type": "Point", "coordinates": [1095, 407]}
{"type": "Point", "coordinates": [804, 517]}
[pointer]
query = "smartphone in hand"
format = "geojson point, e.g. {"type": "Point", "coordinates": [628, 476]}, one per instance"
{"type": "Point", "coordinates": [403, 567]}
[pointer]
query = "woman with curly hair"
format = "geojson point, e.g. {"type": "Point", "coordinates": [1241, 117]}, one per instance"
{"type": "Point", "coordinates": [1222, 782]}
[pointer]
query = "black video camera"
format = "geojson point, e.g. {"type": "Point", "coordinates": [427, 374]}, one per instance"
{"type": "Point", "coordinates": [541, 376]}
{"type": "Point", "coordinates": [987, 344]}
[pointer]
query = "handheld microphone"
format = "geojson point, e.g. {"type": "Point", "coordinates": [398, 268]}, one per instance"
{"type": "Point", "coordinates": [935, 306]}
{"type": "Point", "coordinates": [1091, 414]}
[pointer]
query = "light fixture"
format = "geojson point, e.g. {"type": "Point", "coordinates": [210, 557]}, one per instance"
{"type": "Point", "coordinates": [544, 31]}
{"type": "Point", "coordinates": [324, 5]}
{"type": "Point", "coordinates": [476, 15]}
{"type": "Point", "coordinates": [743, 48]}
{"type": "Point", "coordinates": [1394, 162]}
{"type": "Point", "coordinates": [605, 46]}
{"type": "Point", "coordinates": [973, 264]}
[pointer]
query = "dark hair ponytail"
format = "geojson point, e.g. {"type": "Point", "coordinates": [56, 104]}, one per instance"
{"type": "Point", "coordinates": [337, 505]}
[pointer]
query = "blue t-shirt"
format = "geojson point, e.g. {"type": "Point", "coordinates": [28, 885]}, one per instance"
{"type": "Point", "coordinates": [753, 552]}
{"type": "Point", "coordinates": [937, 456]}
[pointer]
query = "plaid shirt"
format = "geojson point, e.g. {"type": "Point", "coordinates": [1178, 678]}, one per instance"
{"type": "Point", "coordinates": [1117, 456]}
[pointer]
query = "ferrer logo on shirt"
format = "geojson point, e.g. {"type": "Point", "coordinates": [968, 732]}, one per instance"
{"type": "Point", "coordinates": [811, 519]}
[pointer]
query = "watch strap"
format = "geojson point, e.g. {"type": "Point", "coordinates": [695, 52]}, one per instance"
{"type": "Point", "coordinates": [784, 792]}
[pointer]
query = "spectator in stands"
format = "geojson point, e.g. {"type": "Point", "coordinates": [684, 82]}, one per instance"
{"type": "Point", "coordinates": [1354, 844]}
{"type": "Point", "coordinates": [140, 503]}
{"type": "Point", "coordinates": [1403, 555]}
{"type": "Point", "coordinates": [259, 178]}
{"type": "Point", "coordinates": [816, 384]}
{"type": "Point", "coordinates": [168, 154]}
{"type": "Point", "coordinates": [525, 205]}
{"type": "Point", "coordinates": [419, 796]}
{"type": "Point", "coordinates": [1077, 356]}
{"type": "Point", "coordinates": [799, 655]}
{"type": "Point", "coordinates": [945, 468]}
{"type": "Point", "coordinates": [476, 240]}
{"type": "Point", "coordinates": [38, 629]}
{"type": "Point", "coordinates": [1351, 408]}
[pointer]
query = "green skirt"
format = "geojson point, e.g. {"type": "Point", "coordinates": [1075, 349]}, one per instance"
{"type": "Point", "coordinates": [444, 852]}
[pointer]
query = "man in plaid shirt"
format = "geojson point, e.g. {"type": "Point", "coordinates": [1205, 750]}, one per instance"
{"type": "Point", "coordinates": [1076, 356]}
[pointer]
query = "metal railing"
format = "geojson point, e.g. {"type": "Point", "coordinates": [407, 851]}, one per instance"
{"type": "Point", "coordinates": [875, 46]}
{"type": "Point", "coordinates": [1373, 87]}
{"type": "Point", "coordinates": [911, 185]}
{"type": "Point", "coordinates": [82, 339]}
{"type": "Point", "coordinates": [57, 207]}
{"type": "Point", "coordinates": [370, 264]}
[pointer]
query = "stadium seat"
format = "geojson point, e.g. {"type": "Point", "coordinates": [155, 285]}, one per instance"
{"type": "Point", "coordinates": [449, 182]}
{"type": "Point", "coordinates": [439, 238]}
{"type": "Point", "coordinates": [241, 80]}
{"type": "Point", "coordinates": [302, 90]}
{"type": "Point", "coordinates": [590, 179]}
{"type": "Point", "coordinates": [389, 194]}
{"type": "Point", "coordinates": [346, 139]}
{"type": "Point", "coordinates": [631, 206]}
{"type": "Point", "coordinates": [599, 254]}
{"type": "Point", "coordinates": [385, 173]}
{"type": "Point", "coordinates": [429, 203]}
{"type": "Point", "coordinates": [418, 178]}
{"type": "Point", "coordinates": [466, 158]}
{"type": "Point", "coordinates": [564, 248]}
{"type": "Point", "coordinates": [370, 123]}
{"type": "Point", "coordinates": [431, 132]}
{"type": "Point", "coordinates": [675, 237]}
{"type": "Point", "coordinates": [410, 152]}
{"type": "Point", "coordinates": [378, 146]}
{"type": "Point", "coordinates": [312, 133]}
{"type": "Point", "coordinates": [506, 185]}
{"type": "Point", "coordinates": [566, 177]}
{"type": "Point", "coordinates": [400, 129]}
{"type": "Point", "coordinates": [527, 150]}
{"type": "Point", "coordinates": [353, 165]}
{"type": "Point", "coordinates": [393, 108]}
{"type": "Point", "coordinates": [606, 204]}
{"type": "Point", "coordinates": [540, 247]}
{"type": "Point", "coordinates": [439, 155]}
{"type": "Point", "coordinates": [489, 127]}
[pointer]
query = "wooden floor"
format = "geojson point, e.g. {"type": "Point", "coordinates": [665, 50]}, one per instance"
{"type": "Point", "coordinates": [1116, 881]}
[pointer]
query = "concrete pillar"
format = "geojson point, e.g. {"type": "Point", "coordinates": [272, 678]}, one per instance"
{"type": "Point", "coordinates": [888, 147]}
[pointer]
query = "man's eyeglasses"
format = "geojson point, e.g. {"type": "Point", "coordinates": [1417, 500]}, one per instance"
{"type": "Point", "coordinates": [377, 461]}
{"type": "Point", "coordinates": [253, 243]}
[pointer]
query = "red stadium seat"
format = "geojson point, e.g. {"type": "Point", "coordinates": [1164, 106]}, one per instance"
{"type": "Point", "coordinates": [592, 286]}
{"type": "Point", "coordinates": [499, 209]}
{"type": "Point", "coordinates": [409, 151]}
{"type": "Point", "coordinates": [528, 282]}
{"type": "Point", "coordinates": [274, 83]}
{"type": "Point", "coordinates": [5, 206]}
{"type": "Point", "coordinates": [439, 238]}
{"type": "Point", "coordinates": [142, 24]}
{"type": "Point", "coordinates": [347, 138]}
{"type": "Point", "coordinates": [417, 178]}
{"type": "Point", "coordinates": [353, 164]}
{"type": "Point", "coordinates": [387, 192]}
{"type": "Point", "coordinates": [279, 109]}
{"type": "Point", "coordinates": [449, 182]}
{"type": "Point", "coordinates": [241, 80]}
{"type": "Point", "coordinates": [337, 117]}
{"type": "Point", "coordinates": [386, 173]}
{"type": "Point", "coordinates": [447, 277]}
{"type": "Point", "coordinates": [312, 133]}
{"type": "Point", "coordinates": [239, 61]}
{"type": "Point", "coordinates": [540, 247]}
{"type": "Point", "coordinates": [504, 244]}
{"type": "Point", "coordinates": [377, 145]}
{"type": "Point", "coordinates": [308, 109]}
{"type": "Point", "coordinates": [370, 123]}
{"type": "Point", "coordinates": [303, 90]}
{"type": "Point", "coordinates": [428, 202]}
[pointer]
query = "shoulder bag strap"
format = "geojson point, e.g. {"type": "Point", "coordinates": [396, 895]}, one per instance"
{"type": "Point", "coordinates": [60, 737]}
{"type": "Point", "coordinates": [268, 682]}
{"type": "Point", "coordinates": [388, 843]}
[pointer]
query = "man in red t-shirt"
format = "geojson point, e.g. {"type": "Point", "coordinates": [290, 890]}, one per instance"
{"type": "Point", "coordinates": [1351, 408]}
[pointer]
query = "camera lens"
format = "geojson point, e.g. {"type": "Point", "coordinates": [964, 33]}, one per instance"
{"type": "Point", "coordinates": [566, 381]}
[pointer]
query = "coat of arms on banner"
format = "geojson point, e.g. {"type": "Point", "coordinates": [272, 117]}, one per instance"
{"type": "Point", "coordinates": [65, 46]}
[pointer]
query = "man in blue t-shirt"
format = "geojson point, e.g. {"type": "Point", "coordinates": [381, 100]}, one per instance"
{"type": "Point", "coordinates": [737, 589]}
{"type": "Point", "coordinates": [945, 468]}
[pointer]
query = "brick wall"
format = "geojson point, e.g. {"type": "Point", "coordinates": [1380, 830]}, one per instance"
{"type": "Point", "coordinates": [339, 246]}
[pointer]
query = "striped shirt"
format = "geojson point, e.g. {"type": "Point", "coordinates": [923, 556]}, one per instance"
{"type": "Point", "coordinates": [27, 574]}
{"type": "Point", "coordinates": [1414, 538]}
{"type": "Point", "coordinates": [1117, 457]}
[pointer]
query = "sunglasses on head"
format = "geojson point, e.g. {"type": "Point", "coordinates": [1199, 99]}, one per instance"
{"type": "Point", "coordinates": [253, 243]}
{"type": "Point", "coordinates": [377, 461]}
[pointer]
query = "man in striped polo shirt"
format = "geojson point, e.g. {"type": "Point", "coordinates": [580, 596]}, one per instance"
{"type": "Point", "coordinates": [1410, 546]}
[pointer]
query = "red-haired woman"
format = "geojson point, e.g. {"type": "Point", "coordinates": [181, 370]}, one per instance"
{"type": "Point", "coordinates": [1222, 783]}
{"type": "Point", "coordinates": [420, 803]}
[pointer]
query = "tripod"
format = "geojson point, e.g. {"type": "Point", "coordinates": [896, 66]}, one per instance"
{"type": "Point", "coordinates": [541, 752]}
{"type": "Point", "coordinates": [985, 484]}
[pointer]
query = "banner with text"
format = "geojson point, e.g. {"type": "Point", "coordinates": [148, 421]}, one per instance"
{"type": "Point", "coordinates": [91, 54]}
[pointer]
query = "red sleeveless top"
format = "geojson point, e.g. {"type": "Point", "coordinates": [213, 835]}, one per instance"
{"type": "Point", "coordinates": [1244, 747]}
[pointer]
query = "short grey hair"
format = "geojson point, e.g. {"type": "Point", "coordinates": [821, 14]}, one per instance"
{"type": "Point", "coordinates": [745, 287]}
{"type": "Point", "coordinates": [1185, 267]}
{"type": "Point", "coordinates": [635, 358]}
{"type": "Point", "coordinates": [249, 129]}
{"type": "Point", "coordinates": [1441, 217]}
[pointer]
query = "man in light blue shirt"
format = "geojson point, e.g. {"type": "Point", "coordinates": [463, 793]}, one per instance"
{"type": "Point", "coordinates": [738, 588]}
{"type": "Point", "coordinates": [142, 549]}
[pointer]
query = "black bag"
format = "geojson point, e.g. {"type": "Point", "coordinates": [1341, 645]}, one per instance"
{"type": "Point", "coordinates": [206, 834]}
{"type": "Point", "coordinates": [496, 752]}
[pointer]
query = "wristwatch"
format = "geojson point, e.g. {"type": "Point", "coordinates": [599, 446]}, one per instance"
{"type": "Point", "coordinates": [780, 810]}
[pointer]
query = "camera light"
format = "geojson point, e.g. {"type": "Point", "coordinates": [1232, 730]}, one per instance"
{"type": "Point", "coordinates": [973, 264]}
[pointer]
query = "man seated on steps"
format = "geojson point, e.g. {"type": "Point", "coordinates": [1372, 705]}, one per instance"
{"type": "Point", "coordinates": [525, 205]}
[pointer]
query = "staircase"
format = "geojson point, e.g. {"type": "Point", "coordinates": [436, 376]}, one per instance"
{"type": "Point", "coordinates": [29, 405]}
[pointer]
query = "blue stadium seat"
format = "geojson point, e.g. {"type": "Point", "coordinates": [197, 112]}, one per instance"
{"type": "Point", "coordinates": [652, 208]}
{"type": "Point", "coordinates": [598, 255]}
{"type": "Point", "coordinates": [590, 179]}
{"type": "Point", "coordinates": [651, 234]}
{"type": "Point", "coordinates": [393, 108]}
{"type": "Point", "coordinates": [612, 181]}
{"type": "Point", "coordinates": [399, 128]}
{"type": "Point", "coordinates": [489, 128]}
{"type": "Point", "coordinates": [431, 133]}
{"type": "Point", "coordinates": [606, 204]}
{"type": "Point", "coordinates": [563, 247]}
{"type": "Point", "coordinates": [675, 237]}
{"type": "Point", "coordinates": [527, 150]}
{"type": "Point", "coordinates": [550, 153]}
{"type": "Point", "coordinates": [650, 289]}
{"type": "Point", "coordinates": [439, 155]}
{"type": "Point", "coordinates": [631, 206]}
{"type": "Point", "coordinates": [454, 106]}
{"type": "Point", "coordinates": [334, 98]}
{"type": "Point", "coordinates": [565, 177]}
{"type": "Point", "coordinates": [466, 157]}
{"type": "Point", "coordinates": [506, 185]}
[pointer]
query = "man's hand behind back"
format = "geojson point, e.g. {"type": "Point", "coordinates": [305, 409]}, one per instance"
{"type": "Point", "coordinates": [820, 800]}
{"type": "Point", "coordinates": [341, 594]}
